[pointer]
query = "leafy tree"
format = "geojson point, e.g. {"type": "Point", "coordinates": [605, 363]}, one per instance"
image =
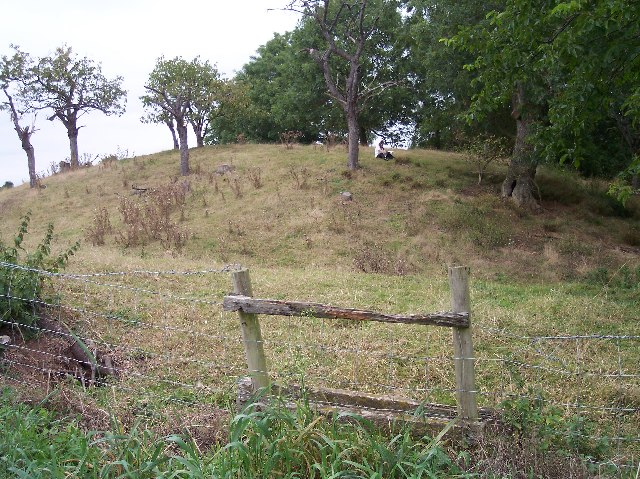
{"type": "Point", "coordinates": [442, 86]}
{"type": "Point", "coordinates": [169, 92]}
{"type": "Point", "coordinates": [351, 34]}
{"type": "Point", "coordinates": [71, 87]}
{"type": "Point", "coordinates": [564, 67]}
{"type": "Point", "coordinates": [12, 81]}
{"type": "Point", "coordinates": [285, 90]}
{"type": "Point", "coordinates": [182, 92]}
{"type": "Point", "coordinates": [207, 90]}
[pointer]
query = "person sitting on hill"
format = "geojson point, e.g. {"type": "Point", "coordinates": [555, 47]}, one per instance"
{"type": "Point", "coordinates": [380, 152]}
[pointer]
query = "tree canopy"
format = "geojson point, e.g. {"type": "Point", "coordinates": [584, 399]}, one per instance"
{"type": "Point", "coordinates": [70, 87]}
{"type": "Point", "coordinates": [183, 92]}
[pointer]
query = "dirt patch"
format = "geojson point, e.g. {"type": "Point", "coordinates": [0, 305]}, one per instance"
{"type": "Point", "coordinates": [43, 370]}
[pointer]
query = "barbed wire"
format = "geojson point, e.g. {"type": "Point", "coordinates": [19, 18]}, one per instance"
{"type": "Point", "coordinates": [224, 269]}
{"type": "Point", "coordinates": [529, 345]}
{"type": "Point", "coordinates": [112, 317]}
{"type": "Point", "coordinates": [98, 381]}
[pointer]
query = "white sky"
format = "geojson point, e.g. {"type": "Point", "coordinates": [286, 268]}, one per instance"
{"type": "Point", "coordinates": [126, 37]}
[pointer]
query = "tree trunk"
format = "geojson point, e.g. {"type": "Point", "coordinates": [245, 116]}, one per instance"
{"type": "Point", "coordinates": [519, 184]}
{"type": "Point", "coordinates": [25, 138]}
{"type": "Point", "coordinates": [31, 163]}
{"type": "Point", "coordinates": [176, 145]}
{"type": "Point", "coordinates": [72, 133]}
{"type": "Point", "coordinates": [354, 135]}
{"type": "Point", "coordinates": [184, 148]}
{"type": "Point", "coordinates": [364, 140]}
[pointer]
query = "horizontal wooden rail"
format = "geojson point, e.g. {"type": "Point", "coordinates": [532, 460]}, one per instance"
{"type": "Point", "coordinates": [251, 305]}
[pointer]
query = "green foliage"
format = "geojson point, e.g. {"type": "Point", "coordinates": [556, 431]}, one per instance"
{"type": "Point", "coordinates": [7, 185]}
{"type": "Point", "coordinates": [623, 278]}
{"type": "Point", "coordinates": [533, 416]}
{"type": "Point", "coordinates": [276, 442]}
{"type": "Point", "coordinates": [21, 288]}
{"type": "Point", "coordinates": [576, 64]}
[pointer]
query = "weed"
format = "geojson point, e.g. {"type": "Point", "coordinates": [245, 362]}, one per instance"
{"type": "Point", "coordinates": [22, 287]}
{"type": "Point", "coordinates": [289, 138]}
{"type": "Point", "coordinates": [371, 257]}
{"type": "Point", "coordinates": [100, 227]}
{"type": "Point", "coordinates": [300, 176]}
{"type": "Point", "coordinates": [236, 187]}
{"type": "Point", "coordinates": [149, 218]}
{"type": "Point", "coordinates": [255, 177]}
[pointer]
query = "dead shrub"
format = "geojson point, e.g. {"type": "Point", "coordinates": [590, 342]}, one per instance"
{"type": "Point", "coordinates": [289, 138]}
{"type": "Point", "coordinates": [371, 257]}
{"type": "Point", "coordinates": [149, 218]}
{"type": "Point", "coordinates": [100, 227]}
{"type": "Point", "coordinates": [255, 177]}
{"type": "Point", "coordinates": [236, 186]}
{"type": "Point", "coordinates": [300, 176]}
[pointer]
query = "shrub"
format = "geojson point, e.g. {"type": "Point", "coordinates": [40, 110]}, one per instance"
{"type": "Point", "coordinates": [21, 284]}
{"type": "Point", "coordinates": [100, 228]}
{"type": "Point", "coordinates": [7, 185]}
{"type": "Point", "coordinates": [484, 150]}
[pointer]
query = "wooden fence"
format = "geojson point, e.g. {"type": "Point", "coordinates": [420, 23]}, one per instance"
{"type": "Point", "coordinates": [459, 319]}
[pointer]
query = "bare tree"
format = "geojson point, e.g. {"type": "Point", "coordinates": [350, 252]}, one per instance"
{"type": "Point", "coordinates": [346, 28]}
{"type": "Point", "coordinates": [24, 134]}
{"type": "Point", "coordinates": [14, 77]}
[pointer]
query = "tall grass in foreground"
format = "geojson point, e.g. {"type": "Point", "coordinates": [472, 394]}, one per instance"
{"type": "Point", "coordinates": [267, 444]}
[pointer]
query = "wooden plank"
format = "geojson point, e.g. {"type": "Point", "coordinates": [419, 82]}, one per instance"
{"type": "Point", "coordinates": [251, 334]}
{"type": "Point", "coordinates": [463, 346]}
{"type": "Point", "coordinates": [386, 412]}
{"type": "Point", "coordinates": [459, 319]}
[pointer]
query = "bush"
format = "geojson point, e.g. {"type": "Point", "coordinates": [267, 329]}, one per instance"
{"type": "Point", "coordinates": [7, 185]}
{"type": "Point", "coordinates": [21, 284]}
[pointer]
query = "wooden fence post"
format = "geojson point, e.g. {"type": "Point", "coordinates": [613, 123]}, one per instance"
{"type": "Point", "coordinates": [251, 335]}
{"type": "Point", "coordinates": [463, 346]}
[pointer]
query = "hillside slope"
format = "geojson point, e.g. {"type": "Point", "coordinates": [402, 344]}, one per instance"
{"type": "Point", "coordinates": [283, 207]}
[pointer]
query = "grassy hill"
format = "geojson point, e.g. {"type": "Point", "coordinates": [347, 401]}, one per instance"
{"type": "Point", "coordinates": [282, 208]}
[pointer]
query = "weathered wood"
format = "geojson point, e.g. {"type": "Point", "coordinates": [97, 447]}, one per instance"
{"type": "Point", "coordinates": [384, 411]}
{"type": "Point", "coordinates": [250, 305]}
{"type": "Point", "coordinates": [463, 346]}
{"type": "Point", "coordinates": [251, 334]}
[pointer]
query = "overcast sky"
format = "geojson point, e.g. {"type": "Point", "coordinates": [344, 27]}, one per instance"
{"type": "Point", "coordinates": [126, 37]}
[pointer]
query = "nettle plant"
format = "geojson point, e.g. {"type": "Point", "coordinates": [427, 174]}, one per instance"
{"type": "Point", "coordinates": [22, 286]}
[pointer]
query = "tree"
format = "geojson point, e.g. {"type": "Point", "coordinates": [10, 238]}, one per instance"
{"type": "Point", "coordinates": [442, 87]}
{"type": "Point", "coordinates": [565, 66]}
{"type": "Point", "coordinates": [182, 92]}
{"type": "Point", "coordinates": [207, 90]}
{"type": "Point", "coordinates": [348, 29]}
{"type": "Point", "coordinates": [13, 76]}
{"type": "Point", "coordinates": [72, 87]}
{"type": "Point", "coordinates": [169, 92]}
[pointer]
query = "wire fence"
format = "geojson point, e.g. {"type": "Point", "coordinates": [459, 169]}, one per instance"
{"type": "Point", "coordinates": [171, 347]}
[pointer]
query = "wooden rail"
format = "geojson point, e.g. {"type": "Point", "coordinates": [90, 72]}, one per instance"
{"type": "Point", "coordinates": [275, 307]}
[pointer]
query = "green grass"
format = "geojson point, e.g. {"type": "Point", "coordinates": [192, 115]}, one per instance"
{"type": "Point", "coordinates": [269, 443]}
